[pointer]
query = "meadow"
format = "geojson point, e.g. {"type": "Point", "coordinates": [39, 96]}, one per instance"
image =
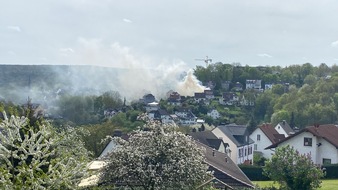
{"type": "Point", "coordinates": [328, 184]}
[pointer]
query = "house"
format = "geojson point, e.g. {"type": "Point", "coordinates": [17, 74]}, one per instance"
{"type": "Point", "coordinates": [153, 106]}
{"type": "Point", "coordinates": [320, 142]}
{"type": "Point", "coordinates": [209, 94]}
{"type": "Point", "coordinates": [200, 97]}
{"type": "Point", "coordinates": [229, 98]}
{"type": "Point", "coordinates": [209, 139]}
{"type": "Point", "coordinates": [264, 136]}
{"type": "Point", "coordinates": [226, 173]}
{"type": "Point", "coordinates": [214, 114]}
{"type": "Point", "coordinates": [240, 144]}
{"type": "Point", "coordinates": [226, 85]}
{"type": "Point", "coordinates": [111, 112]}
{"type": "Point", "coordinates": [160, 115]}
{"type": "Point", "coordinates": [268, 86]}
{"type": "Point", "coordinates": [238, 87]}
{"type": "Point", "coordinates": [186, 117]}
{"type": "Point", "coordinates": [253, 84]}
{"type": "Point", "coordinates": [174, 99]}
{"type": "Point", "coordinates": [148, 98]}
{"type": "Point", "coordinates": [284, 128]}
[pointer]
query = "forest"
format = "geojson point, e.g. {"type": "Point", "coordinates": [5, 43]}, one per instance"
{"type": "Point", "coordinates": [311, 98]}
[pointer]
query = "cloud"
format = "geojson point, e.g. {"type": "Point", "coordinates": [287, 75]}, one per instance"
{"type": "Point", "coordinates": [14, 28]}
{"type": "Point", "coordinates": [264, 55]}
{"type": "Point", "coordinates": [127, 20]}
{"type": "Point", "coordinates": [334, 44]}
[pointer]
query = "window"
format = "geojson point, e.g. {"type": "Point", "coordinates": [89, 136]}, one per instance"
{"type": "Point", "coordinates": [240, 152]}
{"type": "Point", "coordinates": [250, 150]}
{"type": "Point", "coordinates": [245, 151]}
{"type": "Point", "coordinates": [255, 146]}
{"type": "Point", "coordinates": [326, 161]}
{"type": "Point", "coordinates": [258, 137]}
{"type": "Point", "coordinates": [307, 141]}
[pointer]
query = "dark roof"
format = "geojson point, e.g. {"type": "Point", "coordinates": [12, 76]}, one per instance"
{"type": "Point", "coordinates": [224, 169]}
{"type": "Point", "coordinates": [271, 133]}
{"type": "Point", "coordinates": [199, 95]}
{"type": "Point", "coordinates": [328, 132]}
{"type": "Point", "coordinates": [236, 133]}
{"type": "Point", "coordinates": [207, 138]}
{"type": "Point", "coordinates": [286, 127]}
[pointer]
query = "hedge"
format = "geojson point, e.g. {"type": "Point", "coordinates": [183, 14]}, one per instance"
{"type": "Point", "coordinates": [254, 173]}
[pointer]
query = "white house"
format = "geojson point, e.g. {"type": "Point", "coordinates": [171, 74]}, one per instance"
{"type": "Point", "coordinates": [240, 144]}
{"type": "Point", "coordinates": [284, 128]}
{"type": "Point", "coordinates": [264, 136]}
{"type": "Point", "coordinates": [214, 114]}
{"type": "Point", "coordinates": [153, 106]}
{"type": "Point", "coordinates": [320, 142]}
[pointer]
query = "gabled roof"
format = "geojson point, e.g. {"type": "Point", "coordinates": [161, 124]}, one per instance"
{"type": "Point", "coordinates": [224, 168]}
{"type": "Point", "coordinates": [286, 127]}
{"type": "Point", "coordinates": [236, 133]}
{"type": "Point", "coordinates": [328, 132]}
{"type": "Point", "coordinates": [271, 133]}
{"type": "Point", "coordinates": [207, 138]}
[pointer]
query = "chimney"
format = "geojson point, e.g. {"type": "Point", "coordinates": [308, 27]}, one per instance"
{"type": "Point", "coordinates": [284, 122]}
{"type": "Point", "coordinates": [213, 152]}
{"type": "Point", "coordinates": [226, 159]}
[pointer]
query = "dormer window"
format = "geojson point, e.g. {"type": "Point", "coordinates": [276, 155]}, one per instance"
{"type": "Point", "coordinates": [307, 141]}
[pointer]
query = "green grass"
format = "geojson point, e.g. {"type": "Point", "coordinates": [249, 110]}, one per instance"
{"type": "Point", "coordinates": [327, 184]}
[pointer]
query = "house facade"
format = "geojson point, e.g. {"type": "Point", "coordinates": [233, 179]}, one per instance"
{"type": "Point", "coordinates": [284, 128]}
{"type": "Point", "coordinates": [240, 144]}
{"type": "Point", "coordinates": [214, 114]}
{"type": "Point", "coordinates": [264, 136]}
{"type": "Point", "coordinates": [320, 142]}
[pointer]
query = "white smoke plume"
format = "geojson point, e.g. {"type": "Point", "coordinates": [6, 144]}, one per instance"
{"type": "Point", "coordinates": [137, 75]}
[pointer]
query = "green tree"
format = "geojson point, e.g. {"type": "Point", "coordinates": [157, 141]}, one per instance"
{"type": "Point", "coordinates": [158, 158]}
{"type": "Point", "coordinates": [293, 170]}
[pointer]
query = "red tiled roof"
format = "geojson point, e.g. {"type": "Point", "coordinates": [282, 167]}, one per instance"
{"type": "Point", "coordinates": [328, 132]}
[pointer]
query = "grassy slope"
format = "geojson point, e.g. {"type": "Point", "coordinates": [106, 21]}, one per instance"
{"type": "Point", "coordinates": [328, 184]}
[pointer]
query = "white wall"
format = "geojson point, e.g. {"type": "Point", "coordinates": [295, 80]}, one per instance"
{"type": "Point", "coordinates": [262, 143]}
{"type": "Point", "coordinates": [232, 146]}
{"type": "Point", "coordinates": [280, 130]}
{"type": "Point", "coordinates": [326, 150]}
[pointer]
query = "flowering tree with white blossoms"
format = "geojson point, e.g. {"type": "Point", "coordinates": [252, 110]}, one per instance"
{"type": "Point", "coordinates": [158, 157]}
{"type": "Point", "coordinates": [38, 157]}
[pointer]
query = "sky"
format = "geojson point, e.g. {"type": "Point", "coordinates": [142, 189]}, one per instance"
{"type": "Point", "coordinates": [158, 33]}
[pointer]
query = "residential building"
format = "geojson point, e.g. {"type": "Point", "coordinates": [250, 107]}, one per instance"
{"type": "Point", "coordinates": [264, 136]}
{"type": "Point", "coordinates": [253, 84]}
{"type": "Point", "coordinates": [209, 139]}
{"type": "Point", "coordinates": [148, 98]}
{"type": "Point", "coordinates": [174, 99]}
{"type": "Point", "coordinates": [320, 142]}
{"type": "Point", "coordinates": [240, 144]}
{"type": "Point", "coordinates": [186, 117]}
{"type": "Point", "coordinates": [214, 114]}
{"type": "Point", "coordinates": [153, 106]}
{"type": "Point", "coordinates": [200, 97]}
{"type": "Point", "coordinates": [284, 128]}
{"type": "Point", "coordinates": [229, 98]}
{"type": "Point", "coordinates": [226, 173]}
{"type": "Point", "coordinates": [209, 94]}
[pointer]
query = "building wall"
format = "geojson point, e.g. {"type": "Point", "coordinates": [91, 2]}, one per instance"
{"type": "Point", "coordinates": [232, 146]}
{"type": "Point", "coordinates": [325, 150]}
{"type": "Point", "coordinates": [280, 130]}
{"type": "Point", "coordinates": [262, 143]}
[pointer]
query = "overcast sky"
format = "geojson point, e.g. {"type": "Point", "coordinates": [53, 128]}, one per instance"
{"type": "Point", "coordinates": [126, 33]}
